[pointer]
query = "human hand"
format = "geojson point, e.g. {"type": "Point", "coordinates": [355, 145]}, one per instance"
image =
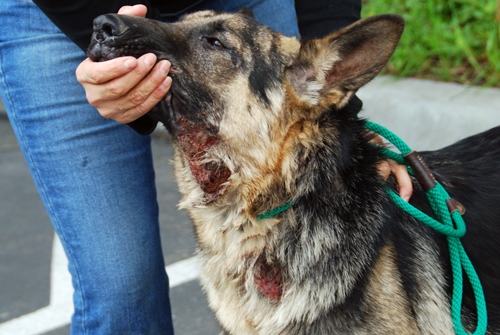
{"type": "Point", "coordinates": [119, 88]}
{"type": "Point", "coordinates": [402, 177]}
{"type": "Point", "coordinates": [399, 171]}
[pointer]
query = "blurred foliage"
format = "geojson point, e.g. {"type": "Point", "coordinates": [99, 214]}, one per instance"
{"type": "Point", "coordinates": [451, 40]}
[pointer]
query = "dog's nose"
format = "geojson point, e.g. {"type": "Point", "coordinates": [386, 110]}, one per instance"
{"type": "Point", "coordinates": [108, 26]}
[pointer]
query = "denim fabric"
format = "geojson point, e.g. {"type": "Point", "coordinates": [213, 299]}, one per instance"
{"type": "Point", "coordinates": [277, 14]}
{"type": "Point", "coordinates": [95, 176]}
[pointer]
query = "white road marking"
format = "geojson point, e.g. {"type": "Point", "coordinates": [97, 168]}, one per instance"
{"type": "Point", "coordinates": [183, 271]}
{"type": "Point", "coordinates": [58, 313]}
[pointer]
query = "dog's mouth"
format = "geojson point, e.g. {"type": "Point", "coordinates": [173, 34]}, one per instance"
{"type": "Point", "coordinates": [100, 51]}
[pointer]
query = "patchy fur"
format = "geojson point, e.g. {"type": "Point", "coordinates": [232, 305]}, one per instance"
{"type": "Point", "coordinates": [259, 120]}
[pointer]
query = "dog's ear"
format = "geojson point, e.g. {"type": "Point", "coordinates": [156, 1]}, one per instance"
{"type": "Point", "coordinates": [246, 11]}
{"type": "Point", "coordinates": [330, 70]}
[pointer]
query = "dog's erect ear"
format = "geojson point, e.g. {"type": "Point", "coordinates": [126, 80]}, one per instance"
{"type": "Point", "coordinates": [330, 70]}
{"type": "Point", "coordinates": [246, 11]}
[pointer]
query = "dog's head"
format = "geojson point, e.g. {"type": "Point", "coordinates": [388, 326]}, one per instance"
{"type": "Point", "coordinates": [243, 96]}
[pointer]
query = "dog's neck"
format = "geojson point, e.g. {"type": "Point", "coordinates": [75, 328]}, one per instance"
{"type": "Point", "coordinates": [341, 196]}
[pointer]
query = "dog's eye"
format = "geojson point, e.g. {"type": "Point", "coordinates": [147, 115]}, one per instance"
{"type": "Point", "coordinates": [215, 42]}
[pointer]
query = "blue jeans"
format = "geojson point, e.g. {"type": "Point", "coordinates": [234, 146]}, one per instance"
{"type": "Point", "coordinates": [95, 176]}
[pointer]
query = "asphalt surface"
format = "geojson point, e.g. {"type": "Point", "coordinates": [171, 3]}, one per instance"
{"type": "Point", "coordinates": [427, 115]}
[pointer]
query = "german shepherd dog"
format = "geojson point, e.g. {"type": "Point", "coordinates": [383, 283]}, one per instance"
{"type": "Point", "coordinates": [259, 120]}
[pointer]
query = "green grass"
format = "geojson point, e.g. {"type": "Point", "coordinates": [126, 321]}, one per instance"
{"type": "Point", "coordinates": [450, 40]}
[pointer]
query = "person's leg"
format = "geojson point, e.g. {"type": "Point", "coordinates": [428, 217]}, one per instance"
{"type": "Point", "coordinates": [94, 175]}
{"type": "Point", "coordinates": [277, 14]}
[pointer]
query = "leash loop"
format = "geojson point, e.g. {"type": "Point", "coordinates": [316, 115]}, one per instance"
{"type": "Point", "coordinates": [451, 224]}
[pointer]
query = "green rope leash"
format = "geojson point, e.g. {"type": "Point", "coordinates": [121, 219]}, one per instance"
{"type": "Point", "coordinates": [452, 225]}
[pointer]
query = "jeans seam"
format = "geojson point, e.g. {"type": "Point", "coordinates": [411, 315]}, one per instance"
{"type": "Point", "coordinates": [35, 174]}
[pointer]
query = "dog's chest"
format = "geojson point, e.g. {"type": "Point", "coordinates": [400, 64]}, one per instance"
{"type": "Point", "coordinates": [243, 253]}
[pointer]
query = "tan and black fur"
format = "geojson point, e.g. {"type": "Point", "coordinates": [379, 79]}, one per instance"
{"type": "Point", "coordinates": [259, 120]}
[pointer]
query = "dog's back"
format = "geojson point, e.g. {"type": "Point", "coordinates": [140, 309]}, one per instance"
{"type": "Point", "coordinates": [469, 170]}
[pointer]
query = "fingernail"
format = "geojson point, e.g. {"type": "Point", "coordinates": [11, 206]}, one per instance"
{"type": "Point", "coordinates": [166, 83]}
{"type": "Point", "coordinates": [149, 60]}
{"type": "Point", "coordinates": [164, 67]}
{"type": "Point", "coordinates": [129, 63]}
{"type": "Point", "coordinates": [406, 198]}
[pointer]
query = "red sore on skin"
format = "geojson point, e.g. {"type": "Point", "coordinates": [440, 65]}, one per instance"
{"type": "Point", "coordinates": [195, 141]}
{"type": "Point", "coordinates": [268, 281]}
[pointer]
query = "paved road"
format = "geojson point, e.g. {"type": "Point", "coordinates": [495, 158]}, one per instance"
{"type": "Point", "coordinates": [33, 277]}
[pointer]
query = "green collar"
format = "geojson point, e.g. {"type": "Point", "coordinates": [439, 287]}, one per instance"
{"type": "Point", "coordinates": [277, 210]}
